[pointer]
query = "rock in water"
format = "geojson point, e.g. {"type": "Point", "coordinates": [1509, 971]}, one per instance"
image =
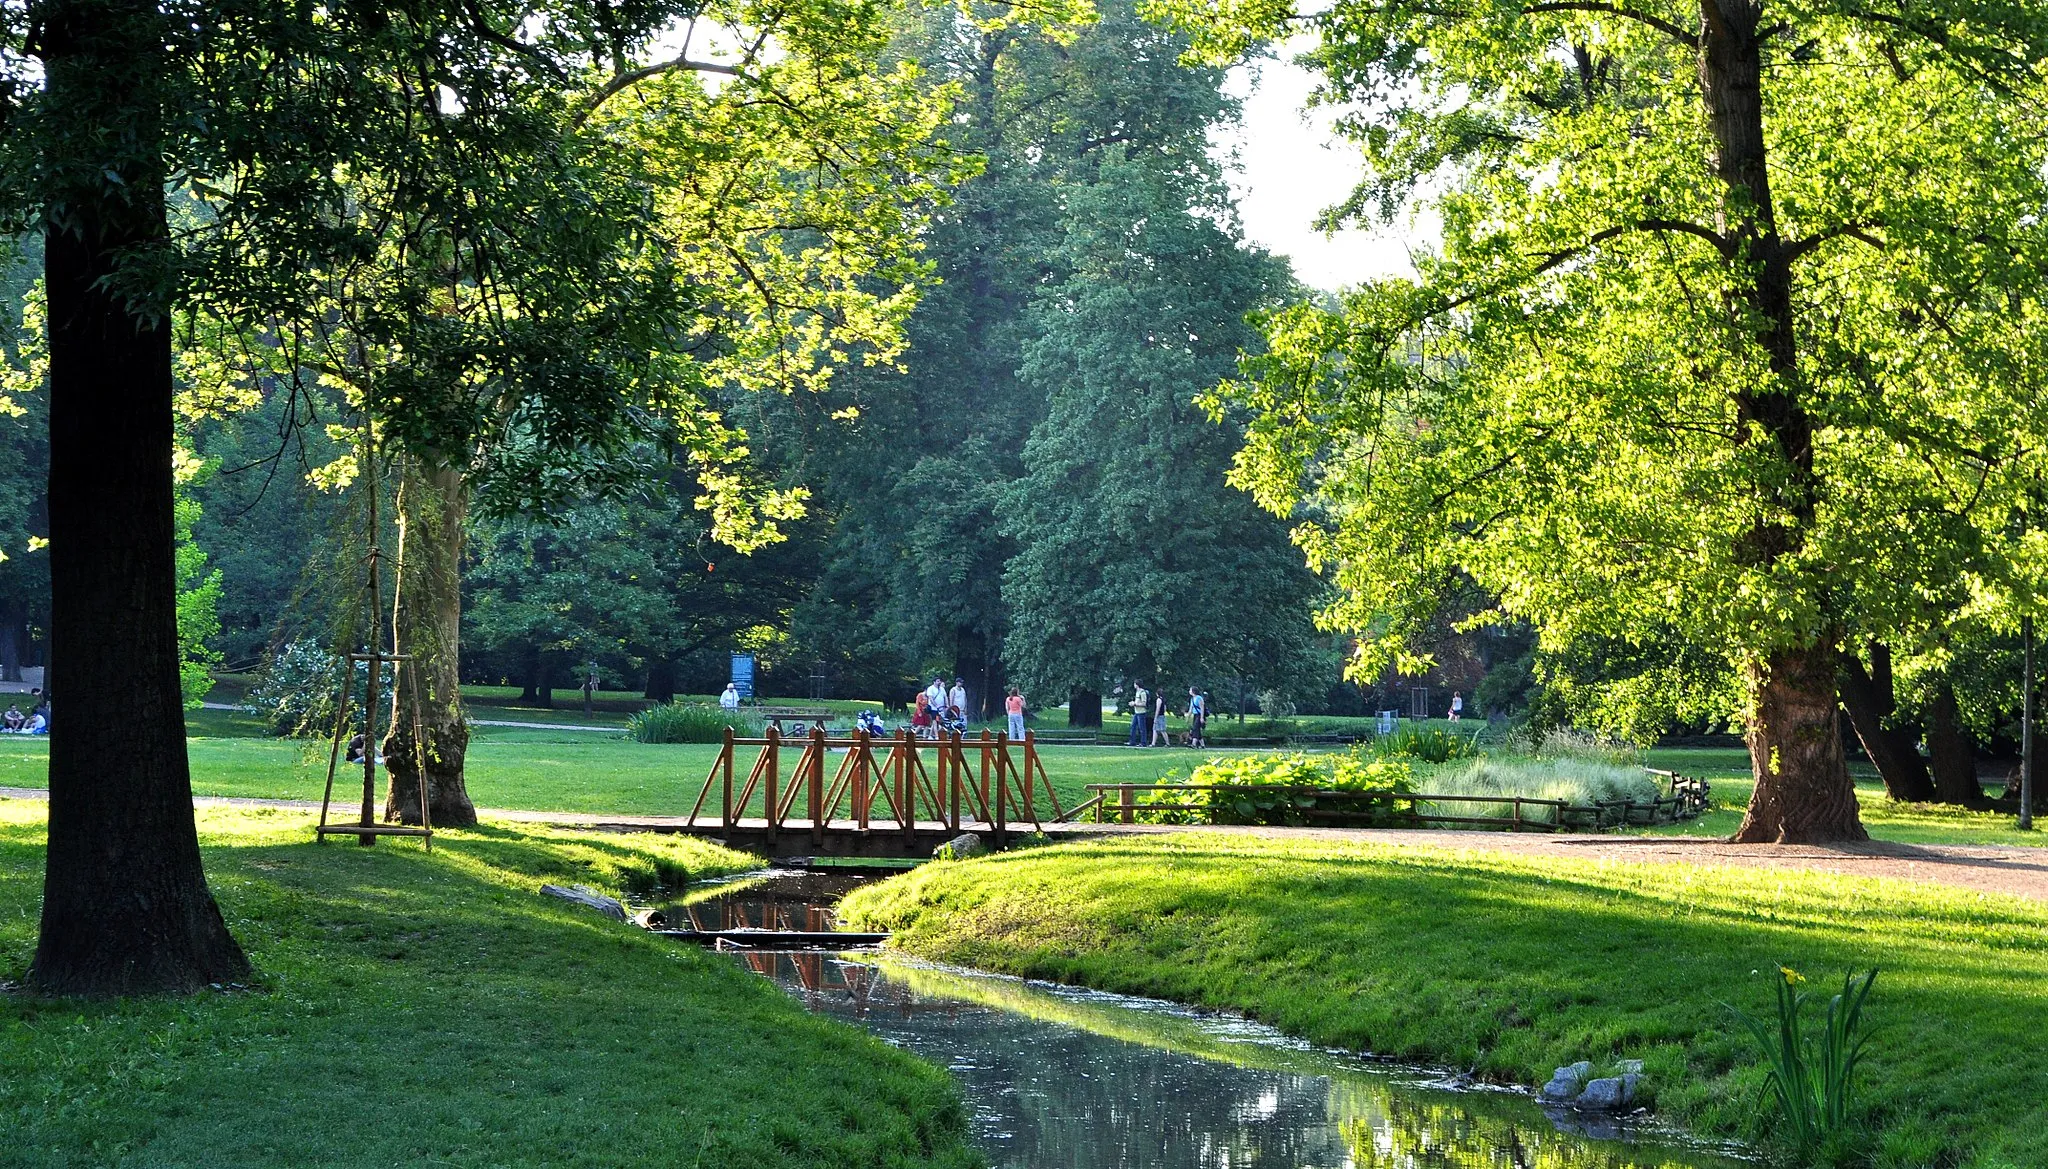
{"type": "Point", "coordinates": [1563, 1087]}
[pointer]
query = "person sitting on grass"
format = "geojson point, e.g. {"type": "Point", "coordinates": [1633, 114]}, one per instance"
{"type": "Point", "coordinates": [38, 723]}
{"type": "Point", "coordinates": [13, 720]}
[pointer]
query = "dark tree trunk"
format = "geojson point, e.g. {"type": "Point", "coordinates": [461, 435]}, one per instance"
{"type": "Point", "coordinates": [1951, 751]}
{"type": "Point", "coordinates": [661, 680]}
{"type": "Point", "coordinates": [13, 640]}
{"type": "Point", "coordinates": [1803, 793]}
{"type": "Point", "coordinates": [1084, 708]}
{"type": "Point", "coordinates": [125, 908]}
{"type": "Point", "coordinates": [540, 688]}
{"type": "Point", "coordinates": [1870, 700]}
{"type": "Point", "coordinates": [432, 505]}
{"type": "Point", "coordinates": [530, 692]}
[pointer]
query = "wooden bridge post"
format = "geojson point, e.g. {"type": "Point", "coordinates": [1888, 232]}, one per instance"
{"type": "Point", "coordinates": [725, 769]}
{"type": "Point", "coordinates": [942, 771]}
{"type": "Point", "coordinates": [905, 755]}
{"type": "Point", "coordinates": [1001, 811]}
{"type": "Point", "coordinates": [907, 791]}
{"type": "Point", "coordinates": [860, 778]}
{"type": "Point", "coordinates": [1124, 806]}
{"type": "Point", "coordinates": [817, 793]}
{"type": "Point", "coordinates": [773, 751]}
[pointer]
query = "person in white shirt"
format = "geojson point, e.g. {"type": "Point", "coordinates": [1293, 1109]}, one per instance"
{"type": "Point", "coordinates": [957, 699]}
{"type": "Point", "coordinates": [935, 698]}
{"type": "Point", "coordinates": [1457, 706]}
{"type": "Point", "coordinates": [730, 700]}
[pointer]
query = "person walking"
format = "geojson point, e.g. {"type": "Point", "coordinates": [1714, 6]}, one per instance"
{"type": "Point", "coordinates": [1457, 706]}
{"type": "Point", "coordinates": [1141, 706]}
{"type": "Point", "coordinates": [1014, 707]}
{"type": "Point", "coordinates": [1198, 718]}
{"type": "Point", "coordinates": [957, 699]}
{"type": "Point", "coordinates": [730, 700]}
{"type": "Point", "coordinates": [1161, 737]}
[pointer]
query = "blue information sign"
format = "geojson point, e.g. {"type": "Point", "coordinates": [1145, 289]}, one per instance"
{"type": "Point", "coordinates": [743, 674]}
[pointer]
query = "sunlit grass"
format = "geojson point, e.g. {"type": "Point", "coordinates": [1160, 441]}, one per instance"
{"type": "Point", "coordinates": [415, 1008]}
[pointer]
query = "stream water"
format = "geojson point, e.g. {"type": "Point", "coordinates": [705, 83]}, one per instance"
{"type": "Point", "coordinates": [1063, 1078]}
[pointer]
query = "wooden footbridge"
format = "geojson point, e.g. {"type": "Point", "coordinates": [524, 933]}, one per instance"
{"type": "Point", "coordinates": [872, 796]}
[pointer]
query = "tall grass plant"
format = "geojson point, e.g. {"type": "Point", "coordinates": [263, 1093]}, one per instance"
{"type": "Point", "coordinates": [689, 723]}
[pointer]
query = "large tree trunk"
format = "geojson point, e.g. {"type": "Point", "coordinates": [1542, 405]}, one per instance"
{"type": "Point", "coordinates": [1869, 698]}
{"type": "Point", "coordinates": [126, 909]}
{"type": "Point", "coordinates": [661, 680]}
{"type": "Point", "coordinates": [13, 640]}
{"type": "Point", "coordinates": [432, 504]}
{"type": "Point", "coordinates": [1951, 751]}
{"type": "Point", "coordinates": [540, 686]}
{"type": "Point", "coordinates": [1084, 708]}
{"type": "Point", "coordinates": [1803, 792]}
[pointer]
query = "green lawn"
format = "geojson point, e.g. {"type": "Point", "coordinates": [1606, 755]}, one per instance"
{"type": "Point", "coordinates": [549, 771]}
{"type": "Point", "coordinates": [1512, 966]}
{"type": "Point", "coordinates": [579, 771]}
{"type": "Point", "coordinates": [418, 1009]}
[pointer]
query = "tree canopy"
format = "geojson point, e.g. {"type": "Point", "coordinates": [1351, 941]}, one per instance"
{"type": "Point", "coordinates": [1733, 336]}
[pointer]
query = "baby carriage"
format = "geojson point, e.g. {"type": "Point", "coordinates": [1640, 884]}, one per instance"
{"type": "Point", "coordinates": [871, 722]}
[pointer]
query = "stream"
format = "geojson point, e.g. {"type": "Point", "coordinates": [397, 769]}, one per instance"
{"type": "Point", "coordinates": [1058, 1077]}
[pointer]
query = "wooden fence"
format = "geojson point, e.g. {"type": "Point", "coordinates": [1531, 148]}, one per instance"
{"type": "Point", "coordinates": [992, 780]}
{"type": "Point", "coordinates": [1334, 807]}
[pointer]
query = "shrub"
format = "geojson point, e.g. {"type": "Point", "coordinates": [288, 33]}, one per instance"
{"type": "Point", "coordinates": [1248, 805]}
{"type": "Point", "coordinates": [1575, 781]}
{"type": "Point", "coordinates": [295, 690]}
{"type": "Point", "coordinates": [692, 723]}
{"type": "Point", "coordinates": [1426, 744]}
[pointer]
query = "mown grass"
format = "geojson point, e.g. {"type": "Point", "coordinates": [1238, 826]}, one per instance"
{"type": "Point", "coordinates": [415, 1008]}
{"type": "Point", "coordinates": [579, 771]}
{"type": "Point", "coordinates": [1512, 966]}
{"type": "Point", "coordinates": [549, 771]}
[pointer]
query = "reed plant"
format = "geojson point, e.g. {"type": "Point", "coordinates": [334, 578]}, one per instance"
{"type": "Point", "coordinates": [678, 722]}
{"type": "Point", "coordinates": [1812, 1077]}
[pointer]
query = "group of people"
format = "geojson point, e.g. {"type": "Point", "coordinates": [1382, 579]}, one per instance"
{"type": "Point", "coordinates": [35, 722]}
{"type": "Point", "coordinates": [1149, 711]}
{"type": "Point", "coordinates": [940, 709]}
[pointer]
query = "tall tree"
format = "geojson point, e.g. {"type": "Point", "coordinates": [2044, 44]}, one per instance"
{"type": "Point", "coordinates": [1682, 362]}
{"type": "Point", "coordinates": [1135, 558]}
{"type": "Point", "coordinates": [125, 903]}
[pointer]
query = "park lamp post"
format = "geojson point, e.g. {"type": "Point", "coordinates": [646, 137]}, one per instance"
{"type": "Point", "coordinates": [2027, 714]}
{"type": "Point", "coordinates": [2029, 704]}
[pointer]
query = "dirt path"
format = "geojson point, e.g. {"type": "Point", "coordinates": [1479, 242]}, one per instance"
{"type": "Point", "coordinates": [2017, 871]}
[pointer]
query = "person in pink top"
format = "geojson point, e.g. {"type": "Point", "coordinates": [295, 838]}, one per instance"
{"type": "Point", "coordinates": [1014, 705]}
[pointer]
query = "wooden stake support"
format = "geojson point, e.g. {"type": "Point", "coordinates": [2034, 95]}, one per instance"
{"type": "Point", "coordinates": [367, 829]}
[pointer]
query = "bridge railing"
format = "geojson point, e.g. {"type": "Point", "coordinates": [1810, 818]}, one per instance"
{"type": "Point", "coordinates": [992, 780]}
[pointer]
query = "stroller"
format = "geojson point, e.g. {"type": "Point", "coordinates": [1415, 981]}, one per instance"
{"type": "Point", "coordinates": [952, 722]}
{"type": "Point", "coordinates": [872, 723]}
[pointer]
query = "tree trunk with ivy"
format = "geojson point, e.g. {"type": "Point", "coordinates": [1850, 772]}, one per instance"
{"type": "Point", "coordinates": [433, 502]}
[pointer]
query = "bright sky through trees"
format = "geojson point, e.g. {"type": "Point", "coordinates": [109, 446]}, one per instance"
{"type": "Point", "coordinates": [1291, 167]}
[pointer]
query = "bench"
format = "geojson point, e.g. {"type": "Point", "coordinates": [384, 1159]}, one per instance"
{"type": "Point", "coordinates": [775, 716]}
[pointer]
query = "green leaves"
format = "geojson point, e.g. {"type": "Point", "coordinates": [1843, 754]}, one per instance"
{"type": "Point", "coordinates": [1648, 392]}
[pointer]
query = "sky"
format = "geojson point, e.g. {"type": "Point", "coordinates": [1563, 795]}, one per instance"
{"type": "Point", "coordinates": [1291, 168]}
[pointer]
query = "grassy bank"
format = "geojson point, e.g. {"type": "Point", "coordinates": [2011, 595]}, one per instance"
{"type": "Point", "coordinates": [1512, 966]}
{"type": "Point", "coordinates": [432, 1009]}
